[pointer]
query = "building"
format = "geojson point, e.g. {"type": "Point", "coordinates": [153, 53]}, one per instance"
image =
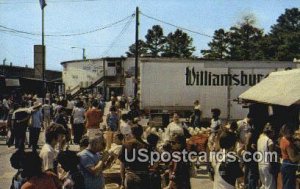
{"type": "Point", "coordinates": [25, 80]}
{"type": "Point", "coordinates": [80, 76]}
{"type": "Point", "coordinates": [27, 72]}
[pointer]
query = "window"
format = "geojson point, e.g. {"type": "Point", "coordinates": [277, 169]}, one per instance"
{"type": "Point", "coordinates": [111, 64]}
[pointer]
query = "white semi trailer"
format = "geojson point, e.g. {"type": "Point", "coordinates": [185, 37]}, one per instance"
{"type": "Point", "coordinates": [174, 84]}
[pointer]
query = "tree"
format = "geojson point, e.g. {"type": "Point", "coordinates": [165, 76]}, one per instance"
{"type": "Point", "coordinates": [142, 49]}
{"type": "Point", "coordinates": [178, 44]}
{"type": "Point", "coordinates": [285, 35]}
{"type": "Point", "coordinates": [244, 41]}
{"type": "Point", "coordinates": [241, 42]}
{"type": "Point", "coordinates": [218, 46]}
{"type": "Point", "coordinates": [155, 40]}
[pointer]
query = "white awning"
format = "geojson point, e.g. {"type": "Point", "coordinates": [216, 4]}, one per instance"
{"type": "Point", "coordinates": [279, 88]}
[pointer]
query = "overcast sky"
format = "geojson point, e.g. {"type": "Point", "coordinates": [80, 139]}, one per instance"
{"type": "Point", "coordinates": [63, 17]}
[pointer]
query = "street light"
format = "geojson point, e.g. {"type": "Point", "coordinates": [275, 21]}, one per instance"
{"type": "Point", "coordinates": [83, 52]}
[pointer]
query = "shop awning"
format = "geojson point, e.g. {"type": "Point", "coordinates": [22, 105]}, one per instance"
{"type": "Point", "coordinates": [12, 82]}
{"type": "Point", "coordinates": [279, 88]}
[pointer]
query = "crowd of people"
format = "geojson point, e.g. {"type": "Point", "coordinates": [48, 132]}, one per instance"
{"type": "Point", "coordinates": [111, 138]}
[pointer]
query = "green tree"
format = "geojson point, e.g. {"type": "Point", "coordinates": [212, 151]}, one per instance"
{"type": "Point", "coordinates": [142, 49]}
{"type": "Point", "coordinates": [244, 41]}
{"type": "Point", "coordinates": [155, 40]}
{"type": "Point", "coordinates": [178, 44]}
{"type": "Point", "coordinates": [218, 46]}
{"type": "Point", "coordinates": [285, 35]}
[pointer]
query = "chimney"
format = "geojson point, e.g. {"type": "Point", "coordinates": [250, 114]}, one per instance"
{"type": "Point", "coordinates": [38, 61]}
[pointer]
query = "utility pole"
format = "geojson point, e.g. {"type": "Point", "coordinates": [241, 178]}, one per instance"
{"type": "Point", "coordinates": [104, 80]}
{"type": "Point", "coordinates": [4, 60]}
{"type": "Point", "coordinates": [43, 4]}
{"type": "Point", "coordinates": [136, 51]}
{"type": "Point", "coordinates": [83, 54]}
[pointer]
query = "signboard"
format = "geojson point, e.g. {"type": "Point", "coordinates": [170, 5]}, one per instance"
{"type": "Point", "coordinates": [194, 77]}
{"type": "Point", "coordinates": [12, 82]}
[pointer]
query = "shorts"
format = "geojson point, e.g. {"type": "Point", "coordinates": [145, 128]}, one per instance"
{"type": "Point", "coordinates": [91, 133]}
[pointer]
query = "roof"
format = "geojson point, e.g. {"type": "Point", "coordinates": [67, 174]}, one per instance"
{"type": "Point", "coordinates": [92, 59]}
{"type": "Point", "coordinates": [38, 79]}
{"type": "Point", "coordinates": [279, 88]}
{"type": "Point", "coordinates": [22, 67]}
{"type": "Point", "coordinates": [251, 64]}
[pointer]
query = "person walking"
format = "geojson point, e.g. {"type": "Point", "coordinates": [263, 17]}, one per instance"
{"type": "Point", "coordinates": [102, 104]}
{"type": "Point", "coordinates": [93, 119]}
{"type": "Point", "coordinates": [290, 158]}
{"type": "Point", "coordinates": [113, 124]}
{"type": "Point", "coordinates": [10, 126]}
{"type": "Point", "coordinates": [125, 126]}
{"type": "Point", "coordinates": [78, 122]}
{"type": "Point", "coordinates": [251, 171]}
{"type": "Point", "coordinates": [20, 119]}
{"type": "Point", "coordinates": [62, 119]}
{"type": "Point", "coordinates": [265, 145]}
{"type": "Point", "coordinates": [47, 113]}
{"type": "Point", "coordinates": [35, 128]}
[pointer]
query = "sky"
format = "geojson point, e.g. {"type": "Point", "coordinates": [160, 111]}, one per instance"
{"type": "Point", "coordinates": [94, 21]}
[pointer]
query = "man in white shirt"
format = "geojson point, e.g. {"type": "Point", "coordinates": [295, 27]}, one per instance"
{"type": "Point", "coordinates": [20, 119]}
{"type": "Point", "coordinates": [244, 127]}
{"type": "Point", "coordinates": [265, 145]}
{"type": "Point", "coordinates": [174, 127]}
{"type": "Point", "coordinates": [47, 113]}
{"type": "Point", "coordinates": [125, 127]}
{"type": "Point", "coordinates": [55, 134]}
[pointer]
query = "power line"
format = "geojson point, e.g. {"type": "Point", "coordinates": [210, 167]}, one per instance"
{"type": "Point", "coordinates": [182, 28]}
{"type": "Point", "coordinates": [118, 36]}
{"type": "Point", "coordinates": [60, 41]}
{"type": "Point", "coordinates": [12, 30]}
{"type": "Point", "coordinates": [17, 34]}
{"type": "Point", "coordinates": [58, 1]}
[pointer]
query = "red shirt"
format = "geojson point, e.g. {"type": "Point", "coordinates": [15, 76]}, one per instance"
{"type": "Point", "coordinates": [94, 118]}
{"type": "Point", "coordinates": [284, 145]}
{"type": "Point", "coordinates": [47, 180]}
